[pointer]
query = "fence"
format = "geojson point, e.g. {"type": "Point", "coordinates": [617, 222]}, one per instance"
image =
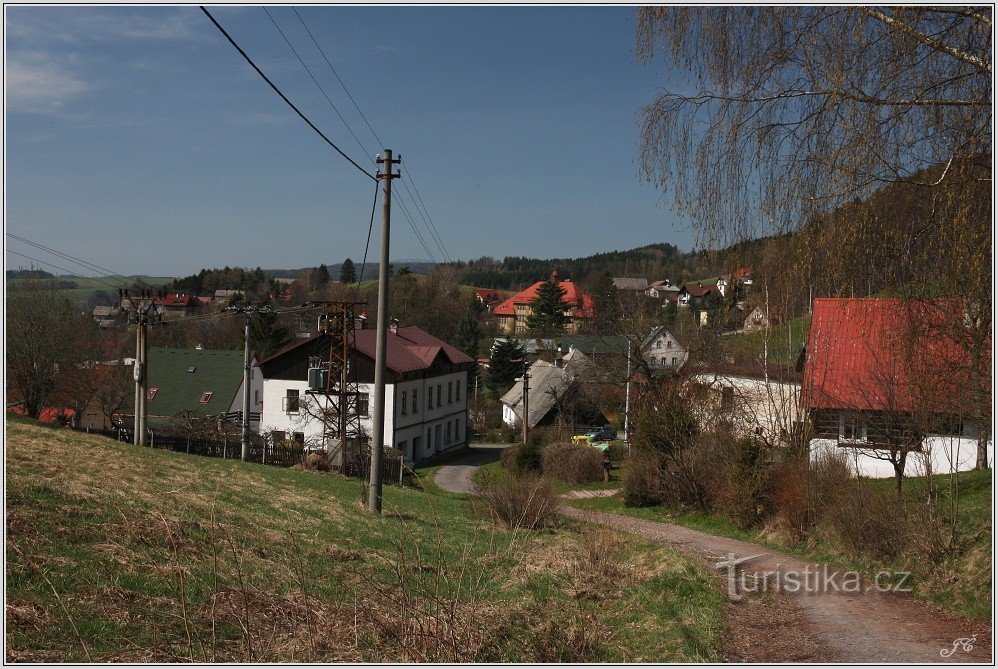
{"type": "Point", "coordinates": [263, 449]}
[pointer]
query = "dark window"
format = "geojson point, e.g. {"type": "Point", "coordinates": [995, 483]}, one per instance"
{"type": "Point", "coordinates": [291, 403]}
{"type": "Point", "coordinates": [450, 392]}
{"type": "Point", "coordinates": [429, 398]}
{"type": "Point", "coordinates": [415, 396]}
{"type": "Point", "coordinates": [298, 437]}
{"type": "Point", "coordinates": [362, 404]}
{"type": "Point", "coordinates": [440, 394]}
{"type": "Point", "coordinates": [403, 403]}
{"type": "Point", "coordinates": [458, 390]}
{"type": "Point", "coordinates": [278, 436]}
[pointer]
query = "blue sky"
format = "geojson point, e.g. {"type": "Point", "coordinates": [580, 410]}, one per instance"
{"type": "Point", "coordinates": [138, 139]}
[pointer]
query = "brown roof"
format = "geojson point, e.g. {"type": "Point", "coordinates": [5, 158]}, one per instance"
{"type": "Point", "coordinates": [409, 349]}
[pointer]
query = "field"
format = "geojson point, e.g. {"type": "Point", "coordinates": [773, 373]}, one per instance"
{"type": "Point", "coordinates": [784, 343]}
{"type": "Point", "coordinates": [88, 286]}
{"type": "Point", "coordinates": [119, 553]}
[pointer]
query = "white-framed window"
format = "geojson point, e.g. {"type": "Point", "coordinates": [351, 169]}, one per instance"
{"type": "Point", "coordinates": [363, 404]}
{"type": "Point", "coordinates": [291, 401]}
{"type": "Point", "coordinates": [658, 344]}
{"type": "Point", "coordinates": [852, 427]}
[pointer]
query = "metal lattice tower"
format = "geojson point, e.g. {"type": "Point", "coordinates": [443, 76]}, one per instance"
{"type": "Point", "coordinates": [339, 407]}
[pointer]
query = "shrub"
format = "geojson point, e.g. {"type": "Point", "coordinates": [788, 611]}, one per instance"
{"type": "Point", "coordinates": [572, 463]}
{"type": "Point", "coordinates": [528, 457]}
{"type": "Point", "coordinates": [643, 484]}
{"type": "Point", "coordinates": [802, 490]}
{"type": "Point", "coordinates": [518, 501]}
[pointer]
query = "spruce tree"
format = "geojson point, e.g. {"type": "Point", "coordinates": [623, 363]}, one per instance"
{"type": "Point", "coordinates": [469, 331]}
{"type": "Point", "coordinates": [547, 317]}
{"type": "Point", "coordinates": [506, 365]}
{"type": "Point", "coordinates": [348, 273]}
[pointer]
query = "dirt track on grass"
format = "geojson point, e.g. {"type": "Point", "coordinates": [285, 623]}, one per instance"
{"type": "Point", "coordinates": [825, 623]}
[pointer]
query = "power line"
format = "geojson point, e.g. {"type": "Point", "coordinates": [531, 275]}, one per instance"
{"type": "Point", "coordinates": [282, 95]}
{"type": "Point", "coordinates": [412, 224]}
{"type": "Point", "coordinates": [367, 244]}
{"type": "Point", "coordinates": [93, 267]}
{"type": "Point", "coordinates": [68, 272]}
{"type": "Point", "coordinates": [427, 220]}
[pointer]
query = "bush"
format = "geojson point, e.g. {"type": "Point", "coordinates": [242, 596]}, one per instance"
{"type": "Point", "coordinates": [802, 490]}
{"type": "Point", "coordinates": [572, 463]}
{"type": "Point", "coordinates": [518, 501]}
{"type": "Point", "coordinates": [643, 485]}
{"type": "Point", "coordinates": [528, 457]}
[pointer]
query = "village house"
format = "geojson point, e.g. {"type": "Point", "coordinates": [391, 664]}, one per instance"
{"type": "Point", "coordinates": [884, 376]}
{"type": "Point", "coordinates": [549, 393]}
{"type": "Point", "coordinates": [178, 303]}
{"type": "Point", "coordinates": [755, 320]}
{"type": "Point", "coordinates": [661, 290]}
{"type": "Point", "coordinates": [107, 316]}
{"type": "Point", "coordinates": [513, 312]}
{"type": "Point", "coordinates": [696, 293]}
{"type": "Point", "coordinates": [227, 297]}
{"type": "Point", "coordinates": [630, 285]}
{"type": "Point", "coordinates": [427, 386]}
{"type": "Point", "coordinates": [661, 350]}
{"type": "Point", "coordinates": [488, 297]}
{"type": "Point", "coordinates": [198, 384]}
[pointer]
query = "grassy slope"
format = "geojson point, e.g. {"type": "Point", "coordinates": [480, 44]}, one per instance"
{"type": "Point", "coordinates": [785, 341]}
{"type": "Point", "coordinates": [127, 554]}
{"type": "Point", "coordinates": [961, 584]}
{"type": "Point", "coordinates": [88, 286]}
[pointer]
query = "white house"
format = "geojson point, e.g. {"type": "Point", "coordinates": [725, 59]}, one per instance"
{"type": "Point", "coordinates": [661, 350]}
{"type": "Point", "coordinates": [426, 409]}
{"type": "Point", "coordinates": [753, 404]}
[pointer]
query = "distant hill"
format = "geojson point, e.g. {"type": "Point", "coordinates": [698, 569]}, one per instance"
{"type": "Point", "coordinates": [370, 270]}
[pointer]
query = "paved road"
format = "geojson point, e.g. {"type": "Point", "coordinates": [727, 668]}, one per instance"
{"type": "Point", "coordinates": [828, 625]}
{"type": "Point", "coordinates": [456, 476]}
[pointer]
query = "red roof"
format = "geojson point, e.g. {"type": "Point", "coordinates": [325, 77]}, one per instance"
{"type": "Point", "coordinates": [47, 414]}
{"type": "Point", "coordinates": [698, 290]}
{"type": "Point", "coordinates": [886, 354]}
{"type": "Point", "coordinates": [176, 300]}
{"type": "Point", "coordinates": [488, 295]}
{"type": "Point", "coordinates": [579, 301]}
{"type": "Point", "coordinates": [409, 349]}
{"type": "Point", "coordinates": [206, 300]}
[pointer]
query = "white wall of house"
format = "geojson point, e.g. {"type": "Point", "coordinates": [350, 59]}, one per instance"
{"type": "Point", "coordinates": [663, 351]}
{"type": "Point", "coordinates": [942, 453]}
{"type": "Point", "coordinates": [509, 416]}
{"type": "Point", "coordinates": [256, 396]}
{"type": "Point", "coordinates": [754, 404]}
{"type": "Point", "coordinates": [420, 432]}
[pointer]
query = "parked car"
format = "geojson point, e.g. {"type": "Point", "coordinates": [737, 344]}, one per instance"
{"type": "Point", "coordinates": [602, 433]}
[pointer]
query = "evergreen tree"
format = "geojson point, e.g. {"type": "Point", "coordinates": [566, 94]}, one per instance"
{"type": "Point", "coordinates": [348, 273]}
{"type": "Point", "coordinates": [469, 331]}
{"type": "Point", "coordinates": [547, 317]}
{"type": "Point", "coordinates": [669, 313]}
{"type": "Point", "coordinates": [267, 334]}
{"type": "Point", "coordinates": [506, 364]}
{"type": "Point", "coordinates": [321, 276]}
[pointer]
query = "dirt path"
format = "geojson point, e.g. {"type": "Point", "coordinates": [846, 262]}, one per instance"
{"type": "Point", "coordinates": [823, 624]}
{"type": "Point", "coordinates": [456, 476]}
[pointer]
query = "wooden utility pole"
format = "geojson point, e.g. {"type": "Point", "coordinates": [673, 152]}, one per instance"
{"type": "Point", "coordinates": [140, 373]}
{"type": "Point", "coordinates": [247, 377]}
{"type": "Point", "coordinates": [627, 400]}
{"type": "Point", "coordinates": [378, 431]}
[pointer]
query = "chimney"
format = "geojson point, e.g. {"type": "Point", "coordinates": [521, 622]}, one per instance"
{"type": "Point", "coordinates": [393, 327]}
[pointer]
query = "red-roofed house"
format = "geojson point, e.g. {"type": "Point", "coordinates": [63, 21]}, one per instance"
{"type": "Point", "coordinates": [887, 383]}
{"type": "Point", "coordinates": [178, 302]}
{"type": "Point", "coordinates": [426, 408]}
{"type": "Point", "coordinates": [514, 311]}
{"type": "Point", "coordinates": [696, 293]}
{"type": "Point", "coordinates": [488, 296]}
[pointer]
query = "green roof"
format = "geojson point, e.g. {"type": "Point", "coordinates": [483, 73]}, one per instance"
{"type": "Point", "coordinates": [180, 390]}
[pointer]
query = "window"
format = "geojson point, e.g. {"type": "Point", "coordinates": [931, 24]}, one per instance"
{"type": "Point", "coordinates": [298, 437]}
{"type": "Point", "coordinates": [256, 397]}
{"type": "Point", "coordinates": [152, 393]}
{"type": "Point", "coordinates": [278, 436]}
{"type": "Point", "coordinates": [205, 397]}
{"type": "Point", "coordinates": [192, 369]}
{"type": "Point", "coordinates": [404, 404]}
{"type": "Point", "coordinates": [429, 399]}
{"type": "Point", "coordinates": [674, 362]}
{"type": "Point", "coordinates": [727, 398]}
{"type": "Point", "coordinates": [440, 394]}
{"type": "Point", "coordinates": [415, 400]}
{"type": "Point", "coordinates": [447, 433]}
{"type": "Point", "coordinates": [363, 400]}
{"type": "Point", "coordinates": [459, 390]}
{"type": "Point", "coordinates": [852, 427]}
{"type": "Point", "coordinates": [658, 344]}
{"type": "Point", "coordinates": [450, 392]}
{"type": "Point", "coordinates": [291, 401]}
{"type": "Point", "coordinates": [668, 343]}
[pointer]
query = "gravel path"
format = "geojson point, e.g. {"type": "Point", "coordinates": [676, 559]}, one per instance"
{"type": "Point", "coordinates": [456, 476]}
{"type": "Point", "coordinates": [824, 625]}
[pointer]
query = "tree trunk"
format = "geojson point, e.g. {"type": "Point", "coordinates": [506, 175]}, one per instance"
{"type": "Point", "coordinates": [982, 446]}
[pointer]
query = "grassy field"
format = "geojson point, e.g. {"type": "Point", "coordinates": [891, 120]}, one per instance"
{"type": "Point", "coordinates": [87, 286]}
{"type": "Point", "coordinates": [118, 553]}
{"type": "Point", "coordinates": [785, 342]}
{"type": "Point", "coordinates": [961, 583]}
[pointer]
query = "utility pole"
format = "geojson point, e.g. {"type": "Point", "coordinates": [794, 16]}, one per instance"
{"type": "Point", "coordinates": [627, 400]}
{"type": "Point", "coordinates": [374, 496]}
{"type": "Point", "coordinates": [247, 377]}
{"type": "Point", "coordinates": [526, 399]}
{"type": "Point", "coordinates": [140, 374]}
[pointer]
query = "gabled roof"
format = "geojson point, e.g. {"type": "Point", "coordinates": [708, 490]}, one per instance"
{"type": "Point", "coordinates": [886, 354]}
{"type": "Point", "coordinates": [580, 302]}
{"type": "Point", "coordinates": [177, 300]}
{"type": "Point", "coordinates": [179, 390]}
{"type": "Point", "coordinates": [546, 383]}
{"type": "Point", "coordinates": [626, 283]}
{"type": "Point", "coordinates": [408, 349]}
{"type": "Point", "coordinates": [660, 282]}
{"type": "Point", "coordinates": [698, 289]}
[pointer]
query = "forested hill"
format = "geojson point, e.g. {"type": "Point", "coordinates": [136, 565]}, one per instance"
{"type": "Point", "coordinates": [657, 261]}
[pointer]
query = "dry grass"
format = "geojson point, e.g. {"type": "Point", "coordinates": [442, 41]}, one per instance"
{"type": "Point", "coordinates": [159, 557]}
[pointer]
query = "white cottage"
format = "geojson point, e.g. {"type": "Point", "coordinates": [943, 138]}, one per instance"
{"type": "Point", "coordinates": [426, 408]}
